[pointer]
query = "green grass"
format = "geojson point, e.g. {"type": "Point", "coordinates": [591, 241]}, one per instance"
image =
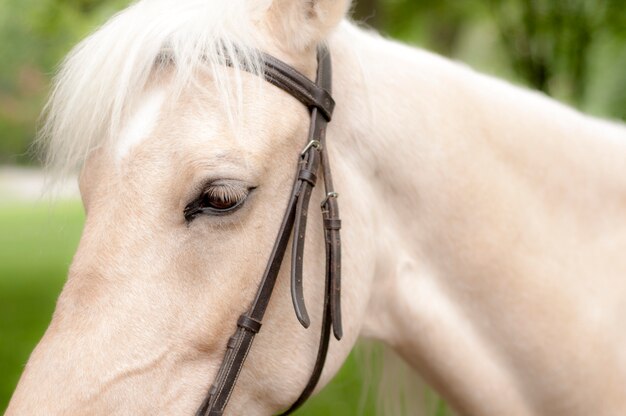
{"type": "Point", "coordinates": [37, 242]}
{"type": "Point", "coordinates": [36, 245]}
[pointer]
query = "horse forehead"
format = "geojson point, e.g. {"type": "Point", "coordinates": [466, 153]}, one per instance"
{"type": "Point", "coordinates": [141, 123]}
{"type": "Point", "coordinates": [200, 123]}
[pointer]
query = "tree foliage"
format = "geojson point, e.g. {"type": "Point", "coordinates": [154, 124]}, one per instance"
{"type": "Point", "coordinates": [550, 44]}
{"type": "Point", "coordinates": [34, 37]}
{"type": "Point", "coordinates": [573, 50]}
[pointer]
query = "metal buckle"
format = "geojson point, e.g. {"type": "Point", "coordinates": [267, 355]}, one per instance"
{"type": "Point", "coordinates": [328, 196]}
{"type": "Point", "coordinates": [313, 143]}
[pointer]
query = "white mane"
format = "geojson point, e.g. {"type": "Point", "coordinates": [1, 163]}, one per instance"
{"type": "Point", "coordinates": [103, 76]}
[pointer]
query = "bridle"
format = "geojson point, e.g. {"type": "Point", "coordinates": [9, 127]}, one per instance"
{"type": "Point", "coordinates": [316, 96]}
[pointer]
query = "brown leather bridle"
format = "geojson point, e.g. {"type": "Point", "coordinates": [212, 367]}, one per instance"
{"type": "Point", "coordinates": [316, 96]}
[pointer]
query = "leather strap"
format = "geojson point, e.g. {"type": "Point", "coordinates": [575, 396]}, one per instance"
{"type": "Point", "coordinates": [316, 96]}
{"type": "Point", "coordinates": [311, 94]}
{"type": "Point", "coordinates": [332, 225]}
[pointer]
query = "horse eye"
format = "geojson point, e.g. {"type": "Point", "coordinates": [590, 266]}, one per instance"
{"type": "Point", "coordinates": [217, 199]}
{"type": "Point", "coordinates": [218, 202]}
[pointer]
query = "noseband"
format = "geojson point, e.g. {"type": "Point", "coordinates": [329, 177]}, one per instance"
{"type": "Point", "coordinates": [316, 96]}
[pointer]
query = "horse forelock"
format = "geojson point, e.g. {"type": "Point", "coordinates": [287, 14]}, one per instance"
{"type": "Point", "coordinates": [102, 79]}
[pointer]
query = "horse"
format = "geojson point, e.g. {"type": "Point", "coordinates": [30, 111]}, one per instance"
{"type": "Point", "coordinates": [483, 224]}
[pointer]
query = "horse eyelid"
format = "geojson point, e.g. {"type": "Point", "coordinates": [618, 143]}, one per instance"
{"type": "Point", "coordinates": [194, 208]}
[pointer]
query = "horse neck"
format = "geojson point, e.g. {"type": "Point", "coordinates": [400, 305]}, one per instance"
{"type": "Point", "coordinates": [484, 199]}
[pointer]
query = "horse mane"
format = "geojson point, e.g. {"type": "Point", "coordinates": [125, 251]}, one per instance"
{"type": "Point", "coordinates": [103, 76]}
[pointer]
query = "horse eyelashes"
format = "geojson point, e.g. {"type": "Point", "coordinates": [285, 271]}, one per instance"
{"type": "Point", "coordinates": [223, 197]}
{"type": "Point", "coordinates": [219, 198]}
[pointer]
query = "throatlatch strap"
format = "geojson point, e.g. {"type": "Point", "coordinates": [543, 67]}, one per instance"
{"type": "Point", "coordinates": [316, 96]}
{"type": "Point", "coordinates": [332, 225]}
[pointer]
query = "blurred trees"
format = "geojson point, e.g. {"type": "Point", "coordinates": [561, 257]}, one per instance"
{"type": "Point", "coordinates": [34, 37]}
{"type": "Point", "coordinates": [550, 44]}
{"type": "Point", "coordinates": [574, 50]}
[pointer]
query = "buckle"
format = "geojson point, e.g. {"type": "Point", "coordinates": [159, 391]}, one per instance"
{"type": "Point", "coordinates": [313, 143]}
{"type": "Point", "coordinates": [328, 196]}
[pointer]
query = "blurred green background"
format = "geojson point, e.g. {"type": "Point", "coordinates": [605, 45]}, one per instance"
{"type": "Point", "coordinates": [573, 50]}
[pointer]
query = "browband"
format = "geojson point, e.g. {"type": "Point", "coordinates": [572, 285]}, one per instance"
{"type": "Point", "coordinates": [311, 94]}
{"type": "Point", "coordinates": [316, 96]}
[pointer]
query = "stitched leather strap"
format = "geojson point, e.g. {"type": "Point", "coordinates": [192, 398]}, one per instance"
{"type": "Point", "coordinates": [332, 225]}
{"type": "Point", "coordinates": [311, 94]}
{"type": "Point", "coordinates": [249, 323]}
{"type": "Point", "coordinates": [316, 96]}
